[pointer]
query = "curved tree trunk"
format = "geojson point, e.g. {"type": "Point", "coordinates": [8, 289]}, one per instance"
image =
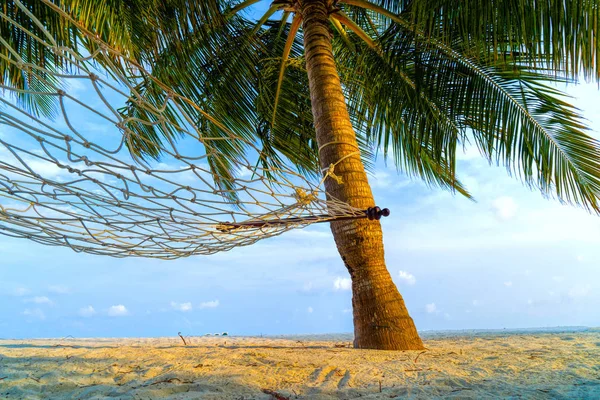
{"type": "Point", "coordinates": [381, 320]}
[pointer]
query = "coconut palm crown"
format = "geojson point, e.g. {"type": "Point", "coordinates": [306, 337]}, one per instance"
{"type": "Point", "coordinates": [312, 81]}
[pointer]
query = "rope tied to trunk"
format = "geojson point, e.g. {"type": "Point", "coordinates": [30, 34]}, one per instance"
{"type": "Point", "coordinates": [330, 171]}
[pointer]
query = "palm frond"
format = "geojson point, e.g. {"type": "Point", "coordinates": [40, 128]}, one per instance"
{"type": "Point", "coordinates": [17, 48]}
{"type": "Point", "coordinates": [517, 119]}
{"type": "Point", "coordinates": [562, 36]}
{"type": "Point", "coordinates": [388, 108]}
{"type": "Point", "coordinates": [209, 73]}
{"type": "Point", "coordinates": [284, 59]}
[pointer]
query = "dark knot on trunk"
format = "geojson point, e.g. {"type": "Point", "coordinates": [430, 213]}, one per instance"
{"type": "Point", "coordinates": [375, 213]}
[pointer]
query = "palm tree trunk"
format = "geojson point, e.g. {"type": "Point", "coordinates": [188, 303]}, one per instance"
{"type": "Point", "coordinates": [381, 320]}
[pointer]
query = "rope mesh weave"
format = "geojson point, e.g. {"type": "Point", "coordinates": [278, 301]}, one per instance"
{"type": "Point", "coordinates": [71, 179]}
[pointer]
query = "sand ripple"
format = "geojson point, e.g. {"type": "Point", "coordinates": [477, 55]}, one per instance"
{"type": "Point", "coordinates": [528, 365]}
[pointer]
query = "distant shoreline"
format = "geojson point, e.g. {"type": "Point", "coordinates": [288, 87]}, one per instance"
{"type": "Point", "coordinates": [449, 333]}
{"type": "Point", "coordinates": [425, 334]}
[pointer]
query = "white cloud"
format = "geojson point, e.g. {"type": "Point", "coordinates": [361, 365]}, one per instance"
{"type": "Point", "coordinates": [307, 233]}
{"type": "Point", "coordinates": [505, 207]}
{"type": "Point", "coordinates": [342, 284]}
{"type": "Point", "coordinates": [467, 153]}
{"type": "Point", "coordinates": [58, 289]}
{"type": "Point", "coordinates": [467, 226]}
{"type": "Point", "coordinates": [245, 171]}
{"type": "Point", "coordinates": [381, 179]}
{"type": "Point", "coordinates": [579, 291]}
{"type": "Point", "coordinates": [20, 291]}
{"type": "Point", "coordinates": [388, 179]}
{"type": "Point", "coordinates": [39, 300]}
{"type": "Point", "coordinates": [475, 303]}
{"type": "Point", "coordinates": [209, 304]}
{"type": "Point", "coordinates": [407, 277]}
{"type": "Point", "coordinates": [347, 310]}
{"type": "Point", "coordinates": [36, 313]}
{"type": "Point", "coordinates": [118, 311]}
{"type": "Point", "coordinates": [558, 278]}
{"type": "Point", "coordinates": [181, 306]}
{"type": "Point", "coordinates": [430, 308]}
{"type": "Point", "coordinates": [46, 169]}
{"type": "Point", "coordinates": [76, 86]}
{"type": "Point", "coordinates": [508, 283]}
{"type": "Point", "coordinates": [580, 258]}
{"type": "Point", "coordinates": [87, 311]}
{"type": "Point", "coordinates": [309, 310]}
{"type": "Point", "coordinates": [307, 287]}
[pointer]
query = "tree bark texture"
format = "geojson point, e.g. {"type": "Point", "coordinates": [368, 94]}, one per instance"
{"type": "Point", "coordinates": [381, 319]}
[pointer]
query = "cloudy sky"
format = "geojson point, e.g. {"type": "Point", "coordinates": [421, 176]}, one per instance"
{"type": "Point", "coordinates": [511, 259]}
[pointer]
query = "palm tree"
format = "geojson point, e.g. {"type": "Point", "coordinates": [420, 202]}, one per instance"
{"type": "Point", "coordinates": [319, 81]}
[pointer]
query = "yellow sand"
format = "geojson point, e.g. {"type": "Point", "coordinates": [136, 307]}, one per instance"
{"type": "Point", "coordinates": [529, 365]}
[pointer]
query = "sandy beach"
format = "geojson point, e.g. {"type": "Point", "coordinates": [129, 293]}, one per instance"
{"type": "Point", "coordinates": [560, 364]}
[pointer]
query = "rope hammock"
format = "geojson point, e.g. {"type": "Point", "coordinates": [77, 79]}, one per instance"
{"type": "Point", "coordinates": [71, 180]}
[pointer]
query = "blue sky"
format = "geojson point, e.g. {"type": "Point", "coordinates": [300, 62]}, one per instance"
{"type": "Point", "coordinates": [511, 259]}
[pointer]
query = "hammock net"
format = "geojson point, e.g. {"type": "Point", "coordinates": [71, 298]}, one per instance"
{"type": "Point", "coordinates": [71, 179]}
